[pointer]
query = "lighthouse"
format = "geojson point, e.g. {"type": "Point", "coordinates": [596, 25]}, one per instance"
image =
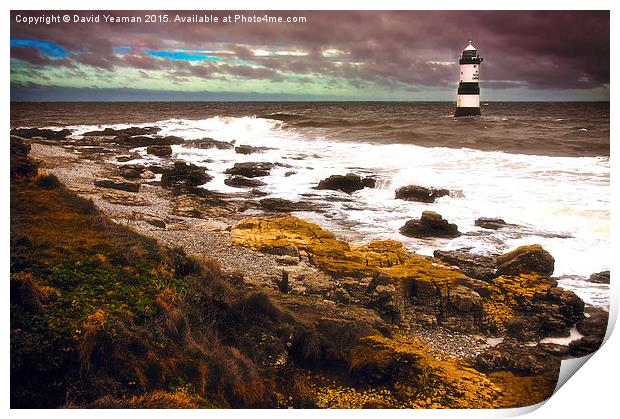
{"type": "Point", "coordinates": [468, 96]}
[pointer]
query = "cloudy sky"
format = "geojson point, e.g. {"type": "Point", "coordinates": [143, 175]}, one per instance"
{"type": "Point", "coordinates": [370, 55]}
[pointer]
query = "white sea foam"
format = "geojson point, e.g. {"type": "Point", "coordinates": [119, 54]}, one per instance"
{"type": "Point", "coordinates": [559, 202]}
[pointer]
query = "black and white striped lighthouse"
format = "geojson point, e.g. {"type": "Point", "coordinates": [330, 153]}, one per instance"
{"type": "Point", "coordinates": [468, 96]}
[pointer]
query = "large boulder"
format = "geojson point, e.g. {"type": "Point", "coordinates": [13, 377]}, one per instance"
{"type": "Point", "coordinates": [526, 259]}
{"type": "Point", "coordinates": [600, 277]}
{"type": "Point", "coordinates": [430, 224]}
{"type": "Point", "coordinates": [160, 150]}
{"type": "Point", "coordinates": [48, 134]}
{"type": "Point", "coordinates": [471, 264]}
{"type": "Point", "coordinates": [348, 183]}
{"type": "Point", "coordinates": [420, 193]}
{"type": "Point", "coordinates": [184, 174]}
{"type": "Point", "coordinates": [251, 169]}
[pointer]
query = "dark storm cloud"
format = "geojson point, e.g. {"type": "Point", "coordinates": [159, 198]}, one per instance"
{"type": "Point", "coordinates": [534, 49]}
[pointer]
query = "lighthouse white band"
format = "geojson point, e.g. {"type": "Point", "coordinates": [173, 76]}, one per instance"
{"type": "Point", "coordinates": [470, 73]}
{"type": "Point", "coordinates": [468, 101]}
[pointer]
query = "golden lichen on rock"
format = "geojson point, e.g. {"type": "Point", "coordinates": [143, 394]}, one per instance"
{"type": "Point", "coordinates": [419, 378]}
{"type": "Point", "coordinates": [337, 257]}
{"type": "Point", "coordinates": [509, 294]}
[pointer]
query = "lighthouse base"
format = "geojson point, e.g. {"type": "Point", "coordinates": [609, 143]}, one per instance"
{"type": "Point", "coordinates": [462, 111]}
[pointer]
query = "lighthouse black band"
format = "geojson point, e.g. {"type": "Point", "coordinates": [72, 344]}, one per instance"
{"type": "Point", "coordinates": [466, 60]}
{"type": "Point", "coordinates": [467, 88]}
{"type": "Point", "coordinates": [467, 111]}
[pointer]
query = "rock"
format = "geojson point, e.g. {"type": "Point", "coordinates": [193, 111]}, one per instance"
{"type": "Point", "coordinates": [120, 185]}
{"type": "Point", "coordinates": [348, 183]}
{"type": "Point", "coordinates": [517, 358]}
{"type": "Point", "coordinates": [420, 193]}
{"type": "Point", "coordinates": [21, 165]}
{"type": "Point", "coordinates": [126, 158]}
{"type": "Point", "coordinates": [258, 193]}
{"type": "Point", "coordinates": [369, 182]}
{"type": "Point", "coordinates": [290, 173]}
{"type": "Point", "coordinates": [248, 149]}
{"type": "Point", "coordinates": [194, 206]}
{"type": "Point", "coordinates": [206, 143]}
{"type": "Point", "coordinates": [464, 299]}
{"type": "Point", "coordinates": [430, 224]}
{"type": "Point", "coordinates": [585, 346]}
{"type": "Point", "coordinates": [109, 132]}
{"type": "Point", "coordinates": [531, 306]}
{"type": "Point", "coordinates": [600, 277]}
{"type": "Point", "coordinates": [150, 219]}
{"type": "Point", "coordinates": [284, 205]}
{"type": "Point", "coordinates": [287, 260]}
{"type": "Point", "coordinates": [159, 150]}
{"type": "Point", "coordinates": [137, 167]}
{"type": "Point", "coordinates": [184, 175]}
{"type": "Point", "coordinates": [473, 265]}
{"type": "Point", "coordinates": [243, 182]}
{"type": "Point", "coordinates": [160, 169]}
{"type": "Point", "coordinates": [490, 223]}
{"type": "Point", "coordinates": [123, 198]}
{"type": "Point", "coordinates": [251, 169]}
{"type": "Point", "coordinates": [594, 322]}
{"type": "Point", "coordinates": [480, 287]}
{"type": "Point", "coordinates": [554, 349]}
{"type": "Point", "coordinates": [341, 296]}
{"type": "Point", "coordinates": [526, 259]}
{"type": "Point", "coordinates": [147, 174]}
{"type": "Point", "coordinates": [128, 173]}
{"type": "Point", "coordinates": [143, 141]}
{"type": "Point", "coordinates": [48, 134]}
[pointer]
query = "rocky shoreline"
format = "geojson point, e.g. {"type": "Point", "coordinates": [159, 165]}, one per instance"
{"type": "Point", "coordinates": [453, 303]}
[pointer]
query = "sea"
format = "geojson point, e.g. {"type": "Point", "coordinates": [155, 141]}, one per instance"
{"type": "Point", "coordinates": [543, 167]}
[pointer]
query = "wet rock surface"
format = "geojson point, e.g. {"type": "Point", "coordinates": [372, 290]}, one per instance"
{"type": "Point", "coordinates": [125, 131]}
{"type": "Point", "coordinates": [47, 134]}
{"type": "Point", "coordinates": [491, 223]}
{"type": "Point", "coordinates": [348, 183]}
{"type": "Point", "coordinates": [430, 224]}
{"type": "Point", "coordinates": [600, 277]}
{"type": "Point", "coordinates": [243, 182]}
{"type": "Point", "coordinates": [594, 327]}
{"type": "Point", "coordinates": [284, 205]}
{"type": "Point", "coordinates": [251, 169]}
{"type": "Point", "coordinates": [184, 175]}
{"type": "Point", "coordinates": [471, 264]}
{"type": "Point", "coordinates": [206, 143]}
{"type": "Point", "coordinates": [248, 149]}
{"type": "Point", "coordinates": [160, 150]}
{"type": "Point", "coordinates": [420, 193]}
{"type": "Point", "coordinates": [526, 259]}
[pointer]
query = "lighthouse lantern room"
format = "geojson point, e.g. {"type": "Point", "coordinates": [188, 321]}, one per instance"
{"type": "Point", "coordinates": [468, 96]}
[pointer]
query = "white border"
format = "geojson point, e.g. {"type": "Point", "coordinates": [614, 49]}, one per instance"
{"type": "Point", "coordinates": [592, 393]}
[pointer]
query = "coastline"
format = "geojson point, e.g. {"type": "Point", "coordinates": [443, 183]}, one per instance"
{"type": "Point", "coordinates": [207, 224]}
